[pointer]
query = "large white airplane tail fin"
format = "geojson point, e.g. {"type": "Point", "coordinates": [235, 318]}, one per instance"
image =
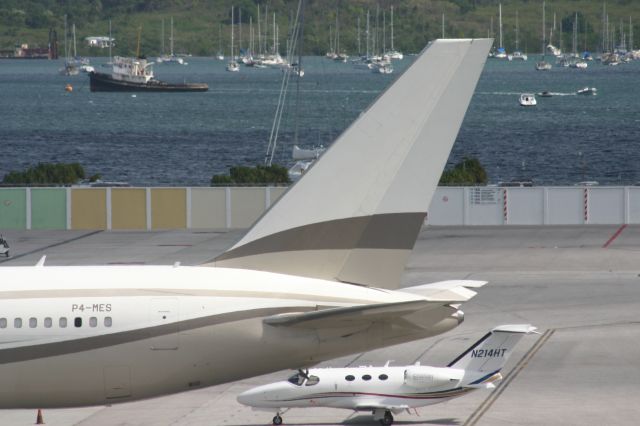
{"type": "Point", "coordinates": [483, 361]}
{"type": "Point", "coordinates": [355, 215]}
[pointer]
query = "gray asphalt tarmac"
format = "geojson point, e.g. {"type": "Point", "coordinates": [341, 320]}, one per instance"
{"type": "Point", "coordinates": [580, 285]}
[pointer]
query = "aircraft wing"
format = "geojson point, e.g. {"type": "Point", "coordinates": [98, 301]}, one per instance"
{"type": "Point", "coordinates": [396, 409]}
{"type": "Point", "coordinates": [349, 315]}
{"type": "Point", "coordinates": [453, 291]}
{"type": "Point", "coordinates": [432, 296]}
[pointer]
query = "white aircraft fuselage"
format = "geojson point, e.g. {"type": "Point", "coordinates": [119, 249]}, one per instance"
{"type": "Point", "coordinates": [363, 388]}
{"type": "Point", "coordinates": [72, 336]}
{"type": "Point", "coordinates": [386, 390]}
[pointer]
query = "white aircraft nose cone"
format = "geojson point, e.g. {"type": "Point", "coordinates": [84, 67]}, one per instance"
{"type": "Point", "coordinates": [250, 397]}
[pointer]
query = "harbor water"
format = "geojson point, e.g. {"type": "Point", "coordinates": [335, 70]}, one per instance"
{"type": "Point", "coordinates": [167, 139]}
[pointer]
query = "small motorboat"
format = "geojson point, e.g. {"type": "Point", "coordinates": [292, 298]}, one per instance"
{"type": "Point", "coordinates": [528, 99]}
{"type": "Point", "coordinates": [544, 94]}
{"type": "Point", "coordinates": [587, 91]}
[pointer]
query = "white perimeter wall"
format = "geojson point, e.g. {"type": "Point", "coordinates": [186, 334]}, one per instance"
{"type": "Point", "coordinates": [572, 205]}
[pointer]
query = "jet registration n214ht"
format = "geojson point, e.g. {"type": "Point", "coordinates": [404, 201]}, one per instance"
{"type": "Point", "coordinates": [315, 278]}
{"type": "Point", "coordinates": [386, 390]}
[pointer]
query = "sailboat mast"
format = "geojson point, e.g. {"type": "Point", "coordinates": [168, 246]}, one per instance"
{"type": "Point", "coordinates": [232, 57]}
{"type": "Point", "coordinates": [161, 38]}
{"type": "Point", "coordinates": [260, 51]}
{"type": "Point", "coordinates": [110, 42]}
{"type": "Point", "coordinates": [517, 31]}
{"type": "Point", "coordinates": [171, 39]}
{"type": "Point", "coordinates": [500, 22]}
{"type": "Point", "coordinates": [337, 35]}
{"type": "Point", "coordinates": [384, 31]}
{"type": "Point", "coordinates": [66, 51]}
{"type": "Point", "coordinates": [274, 34]}
{"type": "Point", "coordinates": [75, 53]}
{"type": "Point", "coordinates": [442, 24]}
{"type": "Point", "coordinates": [392, 29]}
{"type": "Point", "coordinates": [359, 48]}
{"type": "Point", "coordinates": [367, 35]}
{"type": "Point", "coordinates": [630, 35]}
{"type": "Point", "coordinates": [543, 29]}
{"type": "Point", "coordinates": [575, 33]}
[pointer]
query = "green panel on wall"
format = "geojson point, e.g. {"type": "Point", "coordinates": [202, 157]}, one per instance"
{"type": "Point", "coordinates": [13, 208]}
{"type": "Point", "coordinates": [48, 208]}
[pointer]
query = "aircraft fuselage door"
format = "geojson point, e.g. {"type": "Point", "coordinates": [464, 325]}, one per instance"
{"type": "Point", "coordinates": [164, 316]}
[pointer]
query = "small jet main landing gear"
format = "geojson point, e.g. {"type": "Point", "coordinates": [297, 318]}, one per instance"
{"type": "Point", "coordinates": [387, 420]}
{"type": "Point", "coordinates": [277, 420]}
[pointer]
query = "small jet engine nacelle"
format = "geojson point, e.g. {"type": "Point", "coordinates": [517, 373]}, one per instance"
{"type": "Point", "coordinates": [424, 377]}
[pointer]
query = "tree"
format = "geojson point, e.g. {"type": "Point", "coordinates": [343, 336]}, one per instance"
{"type": "Point", "coordinates": [467, 172]}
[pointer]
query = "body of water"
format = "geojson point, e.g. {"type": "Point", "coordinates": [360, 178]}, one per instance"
{"type": "Point", "coordinates": [168, 139]}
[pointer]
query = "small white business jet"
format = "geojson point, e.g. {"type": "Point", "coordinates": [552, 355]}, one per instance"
{"type": "Point", "coordinates": [386, 390]}
{"type": "Point", "coordinates": [315, 278]}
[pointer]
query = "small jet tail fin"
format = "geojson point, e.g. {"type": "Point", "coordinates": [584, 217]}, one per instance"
{"type": "Point", "coordinates": [488, 355]}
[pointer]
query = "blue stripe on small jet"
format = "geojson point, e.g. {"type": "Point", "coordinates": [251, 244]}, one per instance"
{"type": "Point", "coordinates": [482, 379]}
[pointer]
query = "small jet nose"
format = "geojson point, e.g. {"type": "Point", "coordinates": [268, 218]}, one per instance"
{"type": "Point", "coordinates": [250, 397]}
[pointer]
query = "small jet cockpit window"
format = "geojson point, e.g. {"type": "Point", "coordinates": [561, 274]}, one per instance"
{"type": "Point", "coordinates": [349, 378]}
{"type": "Point", "coordinates": [366, 377]}
{"type": "Point", "coordinates": [383, 377]}
{"type": "Point", "coordinates": [312, 380]}
{"type": "Point", "coordinates": [297, 379]}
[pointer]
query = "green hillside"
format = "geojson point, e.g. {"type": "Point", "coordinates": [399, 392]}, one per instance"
{"type": "Point", "coordinates": [197, 22]}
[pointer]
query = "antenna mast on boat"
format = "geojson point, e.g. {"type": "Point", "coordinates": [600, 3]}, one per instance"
{"type": "Point", "coordinates": [139, 35]}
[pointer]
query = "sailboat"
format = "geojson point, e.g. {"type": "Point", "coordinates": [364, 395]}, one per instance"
{"type": "Point", "coordinates": [543, 65]}
{"type": "Point", "coordinates": [576, 63]}
{"type": "Point", "coordinates": [71, 66]}
{"type": "Point", "coordinates": [393, 53]}
{"type": "Point", "coordinates": [501, 53]}
{"type": "Point", "coordinates": [232, 66]}
{"type": "Point", "coordinates": [517, 54]}
{"type": "Point", "coordinates": [171, 58]}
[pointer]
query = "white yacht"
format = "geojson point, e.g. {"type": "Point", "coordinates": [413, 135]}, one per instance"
{"type": "Point", "coordinates": [587, 91]}
{"type": "Point", "coordinates": [527, 99]}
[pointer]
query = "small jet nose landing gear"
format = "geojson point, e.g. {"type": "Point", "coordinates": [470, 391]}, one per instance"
{"type": "Point", "coordinates": [277, 420]}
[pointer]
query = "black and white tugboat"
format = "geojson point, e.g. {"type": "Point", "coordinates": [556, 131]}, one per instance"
{"type": "Point", "coordinates": [136, 75]}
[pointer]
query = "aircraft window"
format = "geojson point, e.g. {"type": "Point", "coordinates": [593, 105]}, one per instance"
{"type": "Point", "coordinates": [107, 321]}
{"type": "Point", "coordinates": [383, 377]}
{"type": "Point", "coordinates": [33, 322]}
{"type": "Point", "coordinates": [349, 378]}
{"type": "Point", "coordinates": [62, 322]}
{"type": "Point", "coordinates": [296, 379]}
{"type": "Point", "coordinates": [366, 377]}
{"type": "Point", "coordinates": [3, 323]}
{"type": "Point", "coordinates": [17, 322]}
{"type": "Point", "coordinates": [48, 322]}
{"type": "Point", "coordinates": [77, 322]}
{"type": "Point", "coordinates": [312, 380]}
{"type": "Point", "coordinates": [93, 322]}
